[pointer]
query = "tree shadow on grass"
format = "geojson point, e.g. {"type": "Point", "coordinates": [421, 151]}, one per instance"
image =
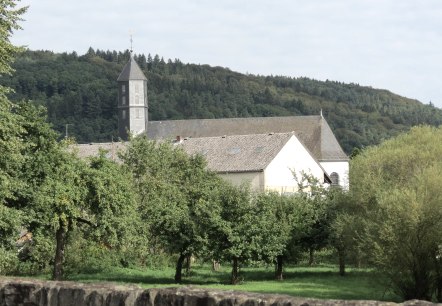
{"type": "Point", "coordinates": [147, 279]}
{"type": "Point", "coordinates": [123, 278]}
{"type": "Point", "coordinates": [320, 283]}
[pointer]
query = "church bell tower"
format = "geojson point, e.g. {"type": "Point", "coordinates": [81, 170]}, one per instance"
{"type": "Point", "coordinates": [132, 100]}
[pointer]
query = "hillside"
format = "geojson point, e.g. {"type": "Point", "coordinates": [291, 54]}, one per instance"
{"type": "Point", "coordinates": [81, 91]}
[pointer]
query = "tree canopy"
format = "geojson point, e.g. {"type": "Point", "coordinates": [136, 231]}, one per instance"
{"type": "Point", "coordinates": [399, 202]}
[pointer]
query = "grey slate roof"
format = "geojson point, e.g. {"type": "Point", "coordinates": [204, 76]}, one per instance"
{"type": "Point", "coordinates": [313, 131]}
{"type": "Point", "coordinates": [237, 153]}
{"type": "Point", "coordinates": [131, 71]}
{"type": "Point", "coordinates": [92, 149]}
{"type": "Point", "coordinates": [234, 153]}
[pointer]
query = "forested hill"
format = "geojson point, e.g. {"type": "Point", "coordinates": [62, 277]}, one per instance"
{"type": "Point", "coordinates": [81, 91]}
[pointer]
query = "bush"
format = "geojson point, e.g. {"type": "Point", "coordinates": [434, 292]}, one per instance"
{"type": "Point", "coordinates": [85, 256]}
{"type": "Point", "coordinates": [36, 256]}
{"type": "Point", "coordinates": [8, 262]}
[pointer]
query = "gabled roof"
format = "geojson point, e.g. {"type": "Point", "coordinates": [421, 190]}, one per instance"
{"type": "Point", "coordinates": [237, 153]}
{"type": "Point", "coordinates": [224, 154]}
{"type": "Point", "coordinates": [92, 149]}
{"type": "Point", "coordinates": [131, 71]}
{"type": "Point", "coordinates": [313, 131]}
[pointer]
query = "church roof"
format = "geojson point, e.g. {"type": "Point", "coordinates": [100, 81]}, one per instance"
{"type": "Point", "coordinates": [313, 131]}
{"type": "Point", "coordinates": [224, 154]}
{"type": "Point", "coordinates": [92, 149]}
{"type": "Point", "coordinates": [237, 153]}
{"type": "Point", "coordinates": [131, 71]}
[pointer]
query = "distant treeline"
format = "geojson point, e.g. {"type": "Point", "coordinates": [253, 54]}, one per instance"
{"type": "Point", "coordinates": [81, 92]}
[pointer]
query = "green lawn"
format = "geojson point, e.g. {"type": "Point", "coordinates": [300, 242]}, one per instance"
{"type": "Point", "coordinates": [318, 282]}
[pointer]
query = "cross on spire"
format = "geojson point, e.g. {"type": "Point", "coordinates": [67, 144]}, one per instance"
{"type": "Point", "coordinates": [131, 47]}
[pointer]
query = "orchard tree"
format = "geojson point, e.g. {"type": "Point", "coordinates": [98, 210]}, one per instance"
{"type": "Point", "coordinates": [239, 234]}
{"type": "Point", "coordinates": [178, 197]}
{"type": "Point", "coordinates": [345, 226]}
{"type": "Point", "coordinates": [112, 204]}
{"type": "Point", "coordinates": [60, 202]}
{"type": "Point", "coordinates": [277, 220]}
{"type": "Point", "coordinates": [313, 228]}
{"type": "Point", "coordinates": [97, 193]}
{"type": "Point", "coordinates": [251, 227]}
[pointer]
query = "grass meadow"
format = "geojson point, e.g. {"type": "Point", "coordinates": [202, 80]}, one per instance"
{"type": "Point", "coordinates": [321, 282]}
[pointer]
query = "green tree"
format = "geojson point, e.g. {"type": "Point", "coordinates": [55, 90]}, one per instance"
{"type": "Point", "coordinates": [178, 197]}
{"type": "Point", "coordinates": [250, 227]}
{"type": "Point", "coordinates": [10, 17]}
{"type": "Point", "coordinates": [239, 233]}
{"type": "Point", "coordinates": [313, 232]}
{"type": "Point", "coordinates": [96, 193]}
{"type": "Point", "coordinates": [277, 221]}
{"type": "Point", "coordinates": [345, 225]}
{"type": "Point", "coordinates": [11, 143]}
{"type": "Point", "coordinates": [10, 122]}
{"type": "Point", "coordinates": [112, 203]}
{"type": "Point", "coordinates": [399, 199]}
{"type": "Point", "coordinates": [61, 201]}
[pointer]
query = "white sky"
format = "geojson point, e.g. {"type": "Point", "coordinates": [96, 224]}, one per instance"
{"type": "Point", "coordinates": [389, 44]}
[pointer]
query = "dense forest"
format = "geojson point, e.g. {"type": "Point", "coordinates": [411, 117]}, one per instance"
{"type": "Point", "coordinates": [80, 94]}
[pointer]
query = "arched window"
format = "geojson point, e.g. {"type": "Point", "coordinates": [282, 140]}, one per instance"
{"type": "Point", "coordinates": [334, 178]}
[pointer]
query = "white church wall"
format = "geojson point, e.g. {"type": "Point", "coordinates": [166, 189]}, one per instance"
{"type": "Point", "coordinates": [255, 179]}
{"type": "Point", "coordinates": [293, 156]}
{"type": "Point", "coordinates": [136, 88]}
{"type": "Point", "coordinates": [137, 125]}
{"type": "Point", "coordinates": [341, 168]}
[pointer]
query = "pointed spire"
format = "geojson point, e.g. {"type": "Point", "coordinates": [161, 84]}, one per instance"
{"type": "Point", "coordinates": [131, 71]}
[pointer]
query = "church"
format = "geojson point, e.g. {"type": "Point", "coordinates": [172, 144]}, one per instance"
{"type": "Point", "coordinates": [265, 152]}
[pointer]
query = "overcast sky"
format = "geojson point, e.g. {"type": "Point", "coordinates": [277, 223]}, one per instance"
{"type": "Point", "coordinates": [388, 44]}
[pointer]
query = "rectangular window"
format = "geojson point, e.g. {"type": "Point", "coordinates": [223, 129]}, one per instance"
{"type": "Point", "coordinates": [137, 88]}
{"type": "Point", "coordinates": [123, 88]}
{"type": "Point", "coordinates": [123, 100]}
{"type": "Point", "coordinates": [137, 113]}
{"type": "Point", "coordinates": [137, 99]}
{"type": "Point", "coordinates": [123, 114]}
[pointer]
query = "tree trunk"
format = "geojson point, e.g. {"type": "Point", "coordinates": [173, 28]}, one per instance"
{"type": "Point", "coordinates": [311, 260]}
{"type": "Point", "coordinates": [278, 272]}
{"type": "Point", "coordinates": [60, 238]}
{"type": "Point", "coordinates": [215, 265]}
{"type": "Point", "coordinates": [179, 268]}
{"type": "Point", "coordinates": [234, 279]}
{"type": "Point", "coordinates": [438, 278]}
{"type": "Point", "coordinates": [439, 290]}
{"type": "Point", "coordinates": [358, 258]}
{"type": "Point", "coordinates": [341, 255]}
{"type": "Point", "coordinates": [188, 264]}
